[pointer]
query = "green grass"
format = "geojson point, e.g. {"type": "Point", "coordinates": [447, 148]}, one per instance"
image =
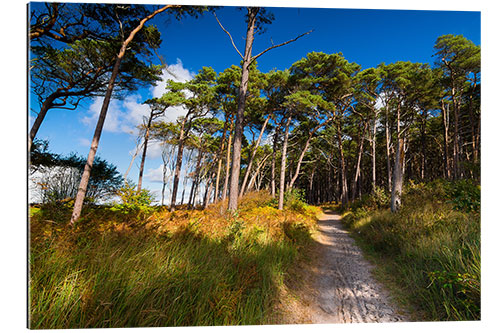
{"type": "Point", "coordinates": [140, 277]}
{"type": "Point", "coordinates": [428, 252]}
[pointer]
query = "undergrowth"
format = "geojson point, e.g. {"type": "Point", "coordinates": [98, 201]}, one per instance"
{"type": "Point", "coordinates": [121, 267]}
{"type": "Point", "coordinates": [429, 250]}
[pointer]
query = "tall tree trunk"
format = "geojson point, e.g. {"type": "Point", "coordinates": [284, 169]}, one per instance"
{"type": "Point", "coordinates": [164, 176]}
{"type": "Point", "coordinates": [138, 147]}
{"type": "Point", "coordinates": [256, 173]}
{"type": "Point", "coordinates": [423, 146]}
{"type": "Point", "coordinates": [310, 189]}
{"type": "Point", "coordinates": [219, 161]}
{"type": "Point", "coordinates": [195, 179]}
{"type": "Point", "coordinates": [357, 173]}
{"type": "Point", "coordinates": [178, 164]}
{"type": "Point", "coordinates": [273, 161]}
{"type": "Point", "coordinates": [343, 174]}
{"type": "Point", "coordinates": [445, 113]}
{"type": "Point", "coordinates": [388, 150]}
{"type": "Point", "coordinates": [397, 183]}
{"type": "Point", "coordinates": [283, 164]}
{"type": "Point", "coordinates": [374, 155]}
{"type": "Point", "coordinates": [143, 159]}
{"type": "Point", "coordinates": [303, 153]}
{"type": "Point", "coordinates": [228, 164]}
{"type": "Point", "coordinates": [252, 157]}
{"type": "Point", "coordinates": [82, 188]}
{"type": "Point", "coordinates": [240, 112]}
{"type": "Point", "coordinates": [47, 104]}
{"type": "Point", "coordinates": [208, 191]}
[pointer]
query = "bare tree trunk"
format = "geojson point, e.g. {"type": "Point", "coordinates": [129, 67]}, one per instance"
{"type": "Point", "coordinates": [423, 148]}
{"type": "Point", "coordinates": [178, 164]}
{"type": "Point", "coordinates": [283, 164]}
{"type": "Point", "coordinates": [240, 112]}
{"type": "Point", "coordinates": [445, 114]}
{"type": "Point", "coordinates": [138, 147]}
{"type": "Point", "coordinates": [343, 174]}
{"type": "Point", "coordinates": [397, 183]}
{"type": "Point", "coordinates": [39, 119]}
{"type": "Point", "coordinates": [374, 155]}
{"type": "Point", "coordinates": [82, 188]}
{"type": "Point", "coordinates": [208, 191]}
{"type": "Point", "coordinates": [303, 153]}
{"type": "Point", "coordinates": [164, 178]}
{"type": "Point", "coordinates": [256, 173]}
{"type": "Point", "coordinates": [252, 157]}
{"type": "Point", "coordinates": [219, 161]}
{"type": "Point", "coordinates": [357, 173]}
{"type": "Point", "coordinates": [195, 179]}
{"type": "Point", "coordinates": [143, 160]}
{"type": "Point", "coordinates": [228, 164]}
{"type": "Point", "coordinates": [388, 150]}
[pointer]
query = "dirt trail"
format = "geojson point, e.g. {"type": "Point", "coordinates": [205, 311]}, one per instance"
{"type": "Point", "coordinates": [341, 288]}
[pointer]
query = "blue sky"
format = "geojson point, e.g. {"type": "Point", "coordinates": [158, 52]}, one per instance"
{"type": "Point", "coordinates": [367, 37]}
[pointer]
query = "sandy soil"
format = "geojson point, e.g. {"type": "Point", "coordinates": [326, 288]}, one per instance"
{"type": "Point", "coordinates": [339, 287]}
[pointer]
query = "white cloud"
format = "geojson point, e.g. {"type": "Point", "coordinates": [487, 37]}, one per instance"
{"type": "Point", "coordinates": [155, 149]}
{"type": "Point", "coordinates": [175, 72]}
{"type": "Point", "coordinates": [84, 142]}
{"type": "Point", "coordinates": [155, 175]}
{"type": "Point", "coordinates": [125, 115]}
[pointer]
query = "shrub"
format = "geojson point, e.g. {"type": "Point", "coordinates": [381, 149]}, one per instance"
{"type": "Point", "coordinates": [133, 202]}
{"type": "Point", "coordinates": [294, 199]}
{"type": "Point", "coordinates": [466, 196]}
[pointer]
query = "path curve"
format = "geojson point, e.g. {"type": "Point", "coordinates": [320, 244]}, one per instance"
{"type": "Point", "coordinates": [346, 290]}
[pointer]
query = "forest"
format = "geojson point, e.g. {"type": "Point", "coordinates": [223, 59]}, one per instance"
{"type": "Point", "coordinates": [248, 170]}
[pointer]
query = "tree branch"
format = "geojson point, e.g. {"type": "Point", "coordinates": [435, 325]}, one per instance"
{"type": "Point", "coordinates": [282, 44]}
{"type": "Point", "coordinates": [229, 36]}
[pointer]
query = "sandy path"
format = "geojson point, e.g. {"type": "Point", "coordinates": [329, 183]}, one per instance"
{"type": "Point", "coordinates": [345, 291]}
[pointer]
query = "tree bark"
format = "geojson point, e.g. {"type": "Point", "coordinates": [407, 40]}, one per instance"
{"type": "Point", "coordinates": [358, 161]}
{"type": "Point", "coordinates": [343, 186]}
{"type": "Point", "coordinates": [303, 153]}
{"type": "Point", "coordinates": [240, 112]}
{"type": "Point", "coordinates": [273, 161]}
{"type": "Point", "coordinates": [219, 161]}
{"type": "Point", "coordinates": [445, 114]}
{"type": "Point", "coordinates": [283, 164]}
{"type": "Point", "coordinates": [423, 145]}
{"type": "Point", "coordinates": [374, 155]}
{"type": "Point", "coordinates": [388, 150]}
{"type": "Point", "coordinates": [256, 173]}
{"type": "Point", "coordinates": [195, 179]}
{"type": "Point", "coordinates": [178, 164]}
{"type": "Point", "coordinates": [143, 159]}
{"type": "Point", "coordinates": [252, 157]}
{"type": "Point", "coordinates": [82, 188]}
{"type": "Point", "coordinates": [39, 119]}
{"type": "Point", "coordinates": [397, 183]}
{"type": "Point", "coordinates": [228, 164]}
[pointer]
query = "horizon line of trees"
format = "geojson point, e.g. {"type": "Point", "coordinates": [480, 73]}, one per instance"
{"type": "Point", "coordinates": [315, 125]}
{"type": "Point", "coordinates": [324, 126]}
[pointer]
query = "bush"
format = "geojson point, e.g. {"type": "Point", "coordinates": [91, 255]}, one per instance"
{"type": "Point", "coordinates": [466, 196]}
{"type": "Point", "coordinates": [294, 199]}
{"type": "Point", "coordinates": [134, 202]}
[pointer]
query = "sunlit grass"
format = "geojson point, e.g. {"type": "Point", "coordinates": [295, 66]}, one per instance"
{"type": "Point", "coordinates": [195, 268]}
